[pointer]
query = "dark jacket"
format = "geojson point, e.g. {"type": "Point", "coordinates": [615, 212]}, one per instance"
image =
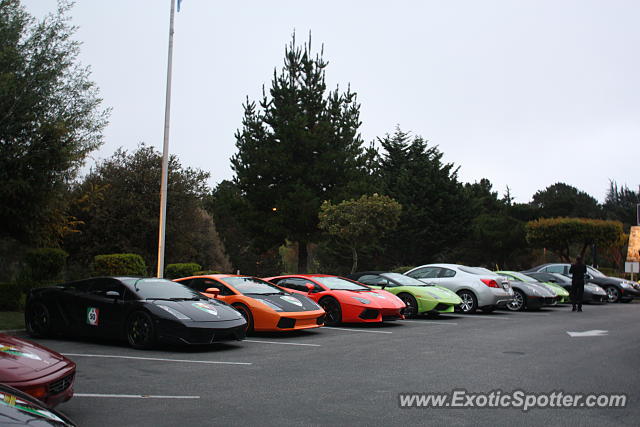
{"type": "Point", "coordinates": [577, 272]}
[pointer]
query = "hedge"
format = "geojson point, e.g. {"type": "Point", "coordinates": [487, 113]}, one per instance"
{"type": "Point", "coordinates": [11, 297]}
{"type": "Point", "coordinates": [45, 264]}
{"type": "Point", "coordinates": [175, 271]}
{"type": "Point", "coordinates": [119, 265]}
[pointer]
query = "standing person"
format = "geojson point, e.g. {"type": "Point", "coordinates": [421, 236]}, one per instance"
{"type": "Point", "coordinates": [577, 271]}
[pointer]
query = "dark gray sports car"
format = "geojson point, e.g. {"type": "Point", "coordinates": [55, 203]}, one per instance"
{"type": "Point", "coordinates": [143, 311]}
{"type": "Point", "coordinates": [592, 292]}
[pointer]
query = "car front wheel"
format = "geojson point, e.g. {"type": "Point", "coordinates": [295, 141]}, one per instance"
{"type": "Point", "coordinates": [332, 307]}
{"type": "Point", "coordinates": [518, 303]}
{"type": "Point", "coordinates": [141, 333]}
{"type": "Point", "coordinates": [613, 295]}
{"type": "Point", "coordinates": [411, 309]}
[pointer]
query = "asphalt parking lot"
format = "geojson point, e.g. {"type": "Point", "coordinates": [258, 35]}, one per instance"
{"type": "Point", "coordinates": [352, 375]}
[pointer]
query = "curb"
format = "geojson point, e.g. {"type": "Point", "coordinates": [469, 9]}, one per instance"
{"type": "Point", "coordinates": [12, 331]}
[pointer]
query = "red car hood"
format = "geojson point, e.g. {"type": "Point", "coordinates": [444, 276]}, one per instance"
{"type": "Point", "coordinates": [378, 298]}
{"type": "Point", "coordinates": [21, 360]}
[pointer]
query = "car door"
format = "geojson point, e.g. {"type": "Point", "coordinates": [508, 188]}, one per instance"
{"type": "Point", "coordinates": [104, 308]}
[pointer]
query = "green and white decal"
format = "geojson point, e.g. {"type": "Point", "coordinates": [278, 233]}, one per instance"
{"type": "Point", "coordinates": [93, 316]}
{"type": "Point", "coordinates": [15, 352]}
{"type": "Point", "coordinates": [206, 308]}
{"type": "Point", "coordinates": [24, 406]}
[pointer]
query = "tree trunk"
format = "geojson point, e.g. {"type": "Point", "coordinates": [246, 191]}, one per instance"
{"type": "Point", "coordinates": [303, 257]}
{"type": "Point", "coordinates": [355, 260]}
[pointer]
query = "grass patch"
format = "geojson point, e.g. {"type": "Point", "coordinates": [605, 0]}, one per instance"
{"type": "Point", "coordinates": [11, 320]}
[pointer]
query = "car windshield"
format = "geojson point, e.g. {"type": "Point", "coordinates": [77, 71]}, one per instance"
{"type": "Point", "coordinates": [161, 289]}
{"type": "Point", "coordinates": [404, 280]}
{"type": "Point", "coordinates": [252, 286]}
{"type": "Point", "coordinates": [594, 272]}
{"type": "Point", "coordinates": [521, 277]}
{"type": "Point", "coordinates": [339, 284]}
{"type": "Point", "coordinates": [478, 271]}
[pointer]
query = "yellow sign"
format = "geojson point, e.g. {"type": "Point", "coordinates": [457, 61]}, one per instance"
{"type": "Point", "coordinates": [633, 253]}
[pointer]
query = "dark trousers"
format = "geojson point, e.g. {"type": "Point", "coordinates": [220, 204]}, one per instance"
{"type": "Point", "coordinates": [577, 291]}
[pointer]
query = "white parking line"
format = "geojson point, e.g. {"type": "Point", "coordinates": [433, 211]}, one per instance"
{"type": "Point", "coordinates": [356, 330]}
{"type": "Point", "coordinates": [283, 343]}
{"type": "Point", "coordinates": [429, 322]}
{"type": "Point", "coordinates": [110, 356]}
{"type": "Point", "coordinates": [133, 396]}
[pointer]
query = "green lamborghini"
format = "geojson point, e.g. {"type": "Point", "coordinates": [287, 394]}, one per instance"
{"type": "Point", "coordinates": [418, 297]}
{"type": "Point", "coordinates": [563, 295]}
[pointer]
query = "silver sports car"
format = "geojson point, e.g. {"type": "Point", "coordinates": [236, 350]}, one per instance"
{"type": "Point", "coordinates": [476, 288]}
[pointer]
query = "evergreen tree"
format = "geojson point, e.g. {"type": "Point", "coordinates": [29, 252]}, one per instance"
{"type": "Point", "coordinates": [621, 204]}
{"type": "Point", "coordinates": [562, 200]}
{"type": "Point", "coordinates": [436, 211]}
{"type": "Point", "coordinates": [297, 148]}
{"type": "Point", "coordinates": [50, 120]}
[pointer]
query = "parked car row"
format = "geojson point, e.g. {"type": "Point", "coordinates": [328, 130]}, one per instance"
{"type": "Point", "coordinates": [200, 310]}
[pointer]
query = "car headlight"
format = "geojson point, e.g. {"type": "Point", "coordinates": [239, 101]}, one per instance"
{"type": "Point", "coordinates": [625, 285]}
{"type": "Point", "coordinates": [271, 305]}
{"type": "Point", "coordinates": [362, 300]}
{"type": "Point", "coordinates": [175, 313]}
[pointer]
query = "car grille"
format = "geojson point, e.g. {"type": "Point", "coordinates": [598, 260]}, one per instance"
{"type": "Point", "coordinates": [286, 323]}
{"type": "Point", "coordinates": [369, 313]}
{"type": "Point", "coordinates": [199, 336]}
{"type": "Point", "coordinates": [60, 385]}
{"type": "Point", "coordinates": [320, 320]}
{"type": "Point", "coordinates": [441, 307]}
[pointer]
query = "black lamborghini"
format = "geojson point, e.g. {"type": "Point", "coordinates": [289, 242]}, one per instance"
{"type": "Point", "coordinates": [144, 311]}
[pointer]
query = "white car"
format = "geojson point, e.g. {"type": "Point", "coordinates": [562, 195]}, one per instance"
{"type": "Point", "coordinates": [476, 288]}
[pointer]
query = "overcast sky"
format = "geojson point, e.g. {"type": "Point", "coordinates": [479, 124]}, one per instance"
{"type": "Point", "coordinates": [524, 93]}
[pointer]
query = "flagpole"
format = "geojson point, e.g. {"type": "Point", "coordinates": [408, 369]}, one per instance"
{"type": "Point", "coordinates": [165, 151]}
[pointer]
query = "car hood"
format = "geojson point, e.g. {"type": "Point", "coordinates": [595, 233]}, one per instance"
{"type": "Point", "coordinates": [200, 311]}
{"type": "Point", "coordinates": [288, 302]}
{"type": "Point", "coordinates": [377, 298]}
{"type": "Point", "coordinates": [595, 289]}
{"type": "Point", "coordinates": [21, 360]}
{"type": "Point", "coordinates": [559, 290]}
{"type": "Point", "coordinates": [534, 289]}
{"type": "Point", "coordinates": [435, 293]}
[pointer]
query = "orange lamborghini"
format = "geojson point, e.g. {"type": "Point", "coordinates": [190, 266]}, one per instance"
{"type": "Point", "coordinates": [264, 306]}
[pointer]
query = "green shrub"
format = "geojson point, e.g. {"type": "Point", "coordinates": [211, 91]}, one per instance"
{"type": "Point", "coordinates": [119, 265]}
{"type": "Point", "coordinates": [184, 269]}
{"type": "Point", "coordinates": [11, 299]}
{"type": "Point", "coordinates": [45, 263]}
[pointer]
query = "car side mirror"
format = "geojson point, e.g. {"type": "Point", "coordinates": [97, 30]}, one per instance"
{"type": "Point", "coordinates": [113, 294]}
{"type": "Point", "coordinates": [213, 291]}
{"type": "Point", "coordinates": [309, 287]}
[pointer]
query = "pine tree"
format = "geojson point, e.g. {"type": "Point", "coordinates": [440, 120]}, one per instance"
{"type": "Point", "coordinates": [435, 213]}
{"type": "Point", "coordinates": [297, 148]}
